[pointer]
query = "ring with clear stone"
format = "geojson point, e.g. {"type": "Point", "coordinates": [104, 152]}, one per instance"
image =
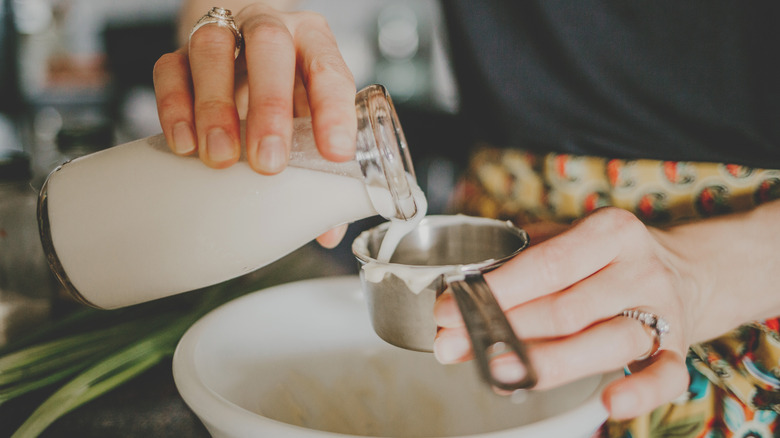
{"type": "Point", "coordinates": [654, 324]}
{"type": "Point", "coordinates": [222, 18]}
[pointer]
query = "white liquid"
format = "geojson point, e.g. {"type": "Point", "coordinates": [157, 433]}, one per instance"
{"type": "Point", "coordinates": [398, 229]}
{"type": "Point", "coordinates": [136, 222]}
{"type": "Point", "coordinates": [417, 277]}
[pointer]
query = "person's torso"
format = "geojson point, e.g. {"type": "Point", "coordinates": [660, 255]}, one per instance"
{"type": "Point", "coordinates": [671, 79]}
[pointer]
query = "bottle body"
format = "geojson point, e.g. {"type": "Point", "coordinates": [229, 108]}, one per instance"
{"type": "Point", "coordinates": [136, 222]}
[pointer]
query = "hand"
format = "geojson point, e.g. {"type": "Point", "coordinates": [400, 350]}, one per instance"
{"type": "Point", "coordinates": [290, 66]}
{"type": "Point", "coordinates": [563, 294]}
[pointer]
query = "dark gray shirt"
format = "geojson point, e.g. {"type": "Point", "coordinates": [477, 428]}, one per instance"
{"type": "Point", "coordinates": [665, 79]}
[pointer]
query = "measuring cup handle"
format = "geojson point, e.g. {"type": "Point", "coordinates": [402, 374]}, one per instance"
{"type": "Point", "coordinates": [490, 332]}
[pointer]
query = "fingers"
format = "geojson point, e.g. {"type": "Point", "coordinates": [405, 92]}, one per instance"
{"type": "Point", "coordinates": [330, 88]}
{"type": "Point", "coordinates": [212, 65]}
{"type": "Point", "coordinates": [606, 346]}
{"type": "Point", "coordinates": [446, 312]}
{"type": "Point", "coordinates": [565, 312]}
{"type": "Point", "coordinates": [173, 91]}
{"type": "Point", "coordinates": [294, 68]}
{"type": "Point", "coordinates": [662, 380]}
{"type": "Point", "coordinates": [290, 66]}
{"type": "Point", "coordinates": [452, 346]}
{"type": "Point", "coordinates": [331, 238]}
{"type": "Point", "coordinates": [563, 260]}
{"type": "Point", "coordinates": [270, 52]}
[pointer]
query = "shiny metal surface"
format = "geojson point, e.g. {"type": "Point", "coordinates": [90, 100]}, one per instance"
{"type": "Point", "coordinates": [490, 332]}
{"type": "Point", "coordinates": [449, 250]}
{"type": "Point", "coordinates": [44, 230]}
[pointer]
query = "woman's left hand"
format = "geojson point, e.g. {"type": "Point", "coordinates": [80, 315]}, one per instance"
{"type": "Point", "coordinates": [564, 295]}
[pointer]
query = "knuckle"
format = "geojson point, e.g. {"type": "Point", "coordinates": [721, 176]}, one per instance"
{"type": "Point", "coordinates": [171, 102]}
{"type": "Point", "coordinates": [627, 222]}
{"type": "Point", "coordinates": [327, 63]}
{"type": "Point", "coordinates": [658, 275]}
{"type": "Point", "coordinates": [619, 218]}
{"type": "Point", "coordinates": [214, 106]}
{"type": "Point", "coordinates": [253, 9]}
{"type": "Point", "coordinates": [566, 314]}
{"type": "Point", "coordinates": [274, 105]}
{"type": "Point", "coordinates": [616, 221]}
{"type": "Point", "coordinates": [549, 258]}
{"type": "Point", "coordinates": [312, 19]}
{"type": "Point", "coordinates": [211, 38]}
{"type": "Point", "coordinates": [168, 62]}
{"type": "Point", "coordinates": [265, 29]}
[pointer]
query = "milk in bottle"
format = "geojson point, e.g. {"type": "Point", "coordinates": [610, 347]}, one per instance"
{"type": "Point", "coordinates": [135, 222]}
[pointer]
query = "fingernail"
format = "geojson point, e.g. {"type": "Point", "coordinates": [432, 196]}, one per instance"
{"type": "Point", "coordinates": [508, 370]}
{"type": "Point", "coordinates": [271, 154]}
{"type": "Point", "coordinates": [219, 147]}
{"type": "Point", "coordinates": [341, 143]}
{"type": "Point", "coordinates": [331, 238]}
{"type": "Point", "coordinates": [449, 349]}
{"type": "Point", "coordinates": [623, 404]}
{"type": "Point", "coordinates": [446, 313]}
{"type": "Point", "coordinates": [183, 140]}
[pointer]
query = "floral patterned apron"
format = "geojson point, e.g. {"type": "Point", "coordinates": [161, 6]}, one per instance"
{"type": "Point", "coordinates": [735, 379]}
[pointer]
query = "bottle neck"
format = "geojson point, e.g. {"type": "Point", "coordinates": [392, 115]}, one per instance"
{"type": "Point", "coordinates": [383, 155]}
{"type": "Point", "coordinates": [304, 153]}
{"type": "Point", "coordinates": [382, 159]}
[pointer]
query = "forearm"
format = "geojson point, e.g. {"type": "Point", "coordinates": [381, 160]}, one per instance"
{"type": "Point", "coordinates": [734, 264]}
{"type": "Point", "coordinates": [192, 10]}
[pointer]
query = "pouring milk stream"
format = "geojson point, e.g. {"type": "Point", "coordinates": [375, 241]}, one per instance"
{"type": "Point", "coordinates": [135, 222]}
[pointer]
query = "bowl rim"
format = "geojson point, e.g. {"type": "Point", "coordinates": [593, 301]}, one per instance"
{"type": "Point", "coordinates": [213, 409]}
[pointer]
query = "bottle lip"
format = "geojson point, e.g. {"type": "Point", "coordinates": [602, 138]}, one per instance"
{"type": "Point", "coordinates": [383, 152]}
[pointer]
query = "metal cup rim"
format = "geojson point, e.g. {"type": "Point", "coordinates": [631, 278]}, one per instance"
{"type": "Point", "coordinates": [360, 244]}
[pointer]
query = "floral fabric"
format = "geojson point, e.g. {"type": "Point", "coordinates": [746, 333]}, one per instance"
{"type": "Point", "coordinates": [735, 379]}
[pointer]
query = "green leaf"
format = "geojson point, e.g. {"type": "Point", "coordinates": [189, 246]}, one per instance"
{"type": "Point", "coordinates": [118, 346]}
{"type": "Point", "coordinates": [10, 392]}
{"type": "Point", "coordinates": [101, 377]}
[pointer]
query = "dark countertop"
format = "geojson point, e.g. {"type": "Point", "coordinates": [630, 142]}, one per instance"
{"type": "Point", "coordinates": [148, 406]}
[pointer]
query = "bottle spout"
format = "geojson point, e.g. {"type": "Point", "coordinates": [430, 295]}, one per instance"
{"type": "Point", "coordinates": [384, 156]}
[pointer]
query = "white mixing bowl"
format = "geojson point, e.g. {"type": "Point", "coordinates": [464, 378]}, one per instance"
{"type": "Point", "coordinates": [301, 360]}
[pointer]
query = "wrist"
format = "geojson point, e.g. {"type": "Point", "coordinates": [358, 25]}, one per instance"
{"type": "Point", "coordinates": [728, 268]}
{"type": "Point", "coordinates": [694, 279]}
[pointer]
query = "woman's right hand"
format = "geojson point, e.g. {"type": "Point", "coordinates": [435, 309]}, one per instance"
{"type": "Point", "coordinates": [289, 66]}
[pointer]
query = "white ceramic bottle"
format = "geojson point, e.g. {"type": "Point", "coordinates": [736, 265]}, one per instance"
{"type": "Point", "coordinates": [135, 222]}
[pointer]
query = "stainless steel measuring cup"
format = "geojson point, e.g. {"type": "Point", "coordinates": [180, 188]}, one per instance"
{"type": "Point", "coordinates": [441, 251]}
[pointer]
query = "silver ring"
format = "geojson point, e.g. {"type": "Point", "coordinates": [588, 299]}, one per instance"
{"type": "Point", "coordinates": [222, 18]}
{"type": "Point", "coordinates": [654, 324]}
